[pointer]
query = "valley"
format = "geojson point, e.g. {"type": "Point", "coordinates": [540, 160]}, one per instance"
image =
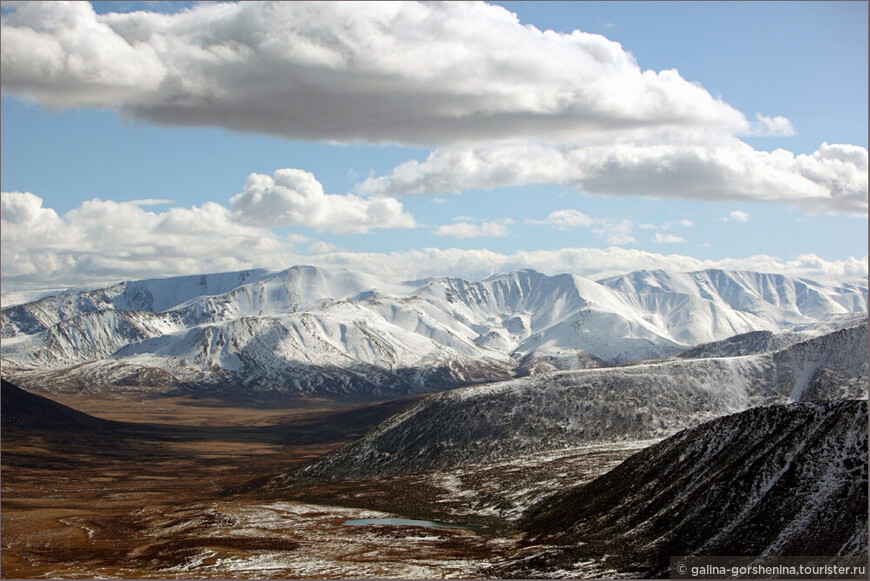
{"type": "Point", "coordinates": [230, 498]}
{"type": "Point", "coordinates": [237, 425]}
{"type": "Point", "coordinates": [176, 494]}
{"type": "Point", "coordinates": [433, 290]}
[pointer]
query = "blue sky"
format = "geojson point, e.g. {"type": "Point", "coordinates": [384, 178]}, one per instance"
{"type": "Point", "coordinates": [466, 156]}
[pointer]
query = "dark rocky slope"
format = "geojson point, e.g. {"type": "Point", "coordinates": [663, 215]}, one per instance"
{"type": "Point", "coordinates": [561, 410]}
{"type": "Point", "coordinates": [779, 480]}
{"type": "Point", "coordinates": [23, 410]}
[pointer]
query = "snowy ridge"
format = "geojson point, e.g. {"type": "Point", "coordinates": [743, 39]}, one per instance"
{"type": "Point", "coordinates": [154, 295]}
{"type": "Point", "coordinates": [489, 422]}
{"type": "Point", "coordinates": [765, 341]}
{"type": "Point", "coordinates": [14, 298]}
{"type": "Point", "coordinates": [779, 480]}
{"type": "Point", "coordinates": [755, 293]}
{"type": "Point", "coordinates": [336, 331]}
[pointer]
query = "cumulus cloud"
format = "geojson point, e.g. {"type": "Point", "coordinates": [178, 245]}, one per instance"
{"type": "Point", "coordinates": [321, 247]}
{"type": "Point", "coordinates": [778, 126]}
{"type": "Point", "coordinates": [150, 202]}
{"type": "Point", "coordinates": [737, 216]}
{"type": "Point", "coordinates": [564, 220]}
{"type": "Point", "coordinates": [445, 74]}
{"type": "Point", "coordinates": [667, 225]}
{"type": "Point", "coordinates": [297, 238]}
{"type": "Point", "coordinates": [103, 241]}
{"type": "Point", "coordinates": [831, 179]}
{"type": "Point", "coordinates": [660, 238]}
{"type": "Point", "coordinates": [23, 216]}
{"type": "Point", "coordinates": [62, 55]}
{"type": "Point", "coordinates": [466, 229]}
{"type": "Point", "coordinates": [293, 197]}
{"type": "Point", "coordinates": [421, 73]}
{"type": "Point", "coordinates": [614, 232]}
{"type": "Point", "coordinates": [590, 262]}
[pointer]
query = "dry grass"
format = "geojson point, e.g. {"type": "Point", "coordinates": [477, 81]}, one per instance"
{"type": "Point", "coordinates": [165, 501]}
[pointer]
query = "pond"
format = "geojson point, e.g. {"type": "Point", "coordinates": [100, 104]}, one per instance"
{"type": "Point", "coordinates": [409, 522]}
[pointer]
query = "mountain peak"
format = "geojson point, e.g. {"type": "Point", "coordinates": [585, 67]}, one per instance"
{"type": "Point", "coordinates": [260, 326]}
{"type": "Point", "coordinates": [522, 272]}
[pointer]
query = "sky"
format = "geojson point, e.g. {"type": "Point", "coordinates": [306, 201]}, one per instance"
{"type": "Point", "coordinates": [150, 139]}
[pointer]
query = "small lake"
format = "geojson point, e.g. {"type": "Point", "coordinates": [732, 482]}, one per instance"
{"type": "Point", "coordinates": [409, 522]}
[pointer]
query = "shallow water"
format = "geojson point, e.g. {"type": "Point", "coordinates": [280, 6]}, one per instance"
{"type": "Point", "coordinates": [408, 522]}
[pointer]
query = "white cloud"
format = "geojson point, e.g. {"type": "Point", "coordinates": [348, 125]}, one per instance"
{"type": "Point", "coordinates": [453, 170]}
{"type": "Point", "coordinates": [564, 220]}
{"type": "Point", "coordinates": [833, 178]}
{"type": "Point", "coordinates": [465, 229]}
{"type": "Point", "coordinates": [841, 173]}
{"type": "Point", "coordinates": [589, 262]}
{"type": "Point", "coordinates": [667, 225]}
{"type": "Point", "coordinates": [423, 73]}
{"type": "Point", "coordinates": [449, 74]}
{"type": "Point", "coordinates": [296, 238]}
{"type": "Point", "coordinates": [737, 216]}
{"type": "Point", "coordinates": [778, 126]}
{"type": "Point", "coordinates": [667, 239]}
{"type": "Point", "coordinates": [321, 247]}
{"type": "Point", "coordinates": [615, 232]}
{"type": "Point", "coordinates": [293, 197]}
{"type": "Point", "coordinates": [106, 240]}
{"type": "Point", "coordinates": [150, 202]}
{"type": "Point", "coordinates": [62, 55]}
{"type": "Point", "coordinates": [102, 241]}
{"type": "Point", "coordinates": [24, 216]}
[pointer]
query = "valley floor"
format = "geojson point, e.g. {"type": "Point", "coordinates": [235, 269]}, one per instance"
{"type": "Point", "coordinates": [190, 493]}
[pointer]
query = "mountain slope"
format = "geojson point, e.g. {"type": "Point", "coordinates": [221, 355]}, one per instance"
{"type": "Point", "coordinates": [756, 342]}
{"type": "Point", "coordinates": [779, 480]}
{"type": "Point", "coordinates": [755, 294]}
{"type": "Point", "coordinates": [24, 410]}
{"type": "Point", "coordinates": [484, 423]}
{"type": "Point", "coordinates": [335, 331]}
{"type": "Point", "coordinates": [153, 295]}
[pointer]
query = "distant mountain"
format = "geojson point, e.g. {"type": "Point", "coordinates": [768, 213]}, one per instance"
{"type": "Point", "coordinates": [565, 409]}
{"type": "Point", "coordinates": [154, 295]}
{"type": "Point", "coordinates": [758, 295]}
{"type": "Point", "coordinates": [779, 480]}
{"type": "Point", "coordinates": [766, 341]}
{"type": "Point", "coordinates": [337, 332]}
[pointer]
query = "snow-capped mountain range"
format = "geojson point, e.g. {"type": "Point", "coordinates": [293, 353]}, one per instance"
{"type": "Point", "coordinates": [313, 330]}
